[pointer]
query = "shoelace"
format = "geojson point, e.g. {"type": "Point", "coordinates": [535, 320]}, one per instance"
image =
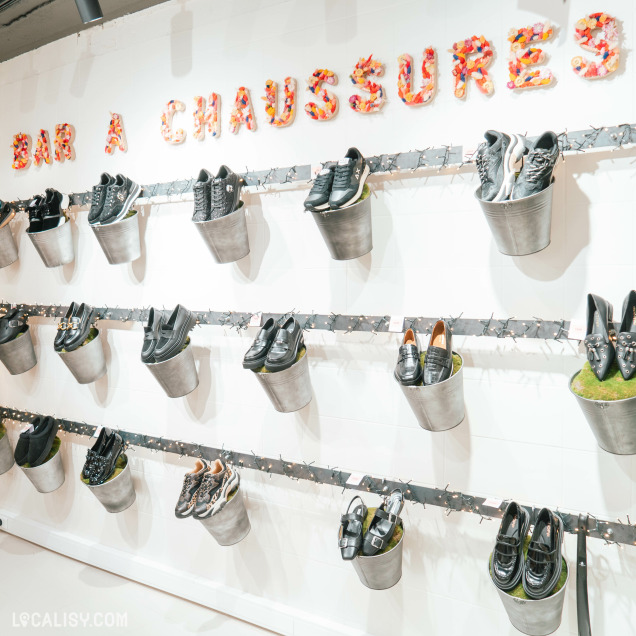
{"type": "Point", "coordinates": [483, 164]}
{"type": "Point", "coordinates": [199, 196]}
{"type": "Point", "coordinates": [187, 483]}
{"type": "Point", "coordinates": [110, 197]}
{"type": "Point", "coordinates": [321, 183]}
{"type": "Point", "coordinates": [537, 165]}
{"type": "Point", "coordinates": [218, 194]}
{"type": "Point", "coordinates": [96, 194]}
{"type": "Point", "coordinates": [209, 481]}
{"type": "Point", "coordinates": [342, 175]}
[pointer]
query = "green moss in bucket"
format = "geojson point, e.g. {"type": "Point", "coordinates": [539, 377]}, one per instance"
{"type": "Point", "coordinates": [614, 387]}
{"type": "Point", "coordinates": [3, 430]}
{"type": "Point", "coordinates": [397, 534]}
{"type": "Point", "coordinates": [122, 461]}
{"type": "Point", "coordinates": [56, 447]}
{"type": "Point", "coordinates": [92, 334]}
{"type": "Point", "coordinates": [130, 213]}
{"type": "Point", "coordinates": [301, 353]}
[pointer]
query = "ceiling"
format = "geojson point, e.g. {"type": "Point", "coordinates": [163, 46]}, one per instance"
{"type": "Point", "coordinates": [28, 24]}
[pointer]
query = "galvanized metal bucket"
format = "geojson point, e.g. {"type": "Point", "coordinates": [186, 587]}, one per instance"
{"type": "Point", "coordinates": [8, 248]}
{"type": "Point", "coordinates": [120, 240]}
{"type": "Point", "coordinates": [177, 376]}
{"type": "Point", "coordinates": [382, 571]}
{"type": "Point", "coordinates": [226, 237]}
{"type": "Point", "coordinates": [87, 363]}
{"type": "Point", "coordinates": [18, 354]}
{"type": "Point", "coordinates": [535, 618]}
{"type": "Point", "coordinates": [347, 232]}
{"type": "Point", "coordinates": [520, 226]}
{"type": "Point", "coordinates": [48, 476]}
{"type": "Point", "coordinates": [6, 454]}
{"type": "Point", "coordinates": [288, 390]}
{"type": "Point", "coordinates": [613, 423]}
{"type": "Point", "coordinates": [438, 407]}
{"type": "Point", "coordinates": [54, 246]}
{"type": "Point", "coordinates": [117, 494]}
{"type": "Point", "coordinates": [231, 524]}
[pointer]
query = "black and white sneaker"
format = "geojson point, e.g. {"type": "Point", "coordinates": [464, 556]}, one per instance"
{"type": "Point", "coordinates": [349, 178]}
{"type": "Point", "coordinates": [119, 199]}
{"type": "Point", "coordinates": [35, 211]}
{"type": "Point", "coordinates": [225, 192]}
{"type": "Point", "coordinates": [536, 173]}
{"type": "Point", "coordinates": [318, 197]}
{"type": "Point", "coordinates": [496, 159]}
{"type": "Point", "coordinates": [99, 197]}
{"type": "Point", "coordinates": [52, 208]}
{"type": "Point", "coordinates": [202, 190]}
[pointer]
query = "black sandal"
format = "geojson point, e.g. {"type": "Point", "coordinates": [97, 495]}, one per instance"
{"type": "Point", "coordinates": [383, 524]}
{"type": "Point", "coordinates": [350, 535]}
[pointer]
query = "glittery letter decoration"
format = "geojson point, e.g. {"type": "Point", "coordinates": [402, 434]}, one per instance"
{"type": "Point", "coordinates": [360, 78]}
{"type": "Point", "coordinates": [289, 108]}
{"type": "Point", "coordinates": [20, 147]}
{"type": "Point", "coordinates": [604, 43]}
{"type": "Point", "coordinates": [330, 107]}
{"type": "Point", "coordinates": [522, 57]}
{"type": "Point", "coordinates": [242, 112]}
{"type": "Point", "coordinates": [209, 116]}
{"type": "Point", "coordinates": [405, 86]}
{"type": "Point", "coordinates": [62, 143]}
{"type": "Point", "coordinates": [42, 152]}
{"type": "Point", "coordinates": [172, 136]}
{"type": "Point", "coordinates": [115, 138]}
{"type": "Point", "coordinates": [465, 67]}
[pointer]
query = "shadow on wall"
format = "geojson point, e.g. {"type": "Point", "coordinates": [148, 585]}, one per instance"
{"type": "Point", "coordinates": [259, 236]}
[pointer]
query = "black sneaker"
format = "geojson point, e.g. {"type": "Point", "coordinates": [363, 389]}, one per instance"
{"type": "Point", "coordinates": [536, 173]}
{"type": "Point", "coordinates": [191, 483]}
{"type": "Point", "coordinates": [119, 199]}
{"type": "Point", "coordinates": [99, 197]}
{"type": "Point", "coordinates": [318, 198]}
{"type": "Point", "coordinates": [36, 212]}
{"type": "Point", "coordinates": [348, 182]}
{"type": "Point", "coordinates": [52, 208]}
{"type": "Point", "coordinates": [202, 197]}
{"type": "Point", "coordinates": [496, 159]}
{"type": "Point", "coordinates": [225, 192]}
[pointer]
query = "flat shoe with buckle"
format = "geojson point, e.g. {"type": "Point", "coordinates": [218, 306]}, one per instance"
{"type": "Point", "coordinates": [383, 524]}
{"type": "Point", "coordinates": [350, 533]}
{"type": "Point", "coordinates": [58, 343]}
{"type": "Point", "coordinates": [79, 327]}
{"type": "Point", "coordinates": [12, 324]}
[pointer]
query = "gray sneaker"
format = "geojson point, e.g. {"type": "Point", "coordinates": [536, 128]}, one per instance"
{"type": "Point", "coordinates": [215, 489]}
{"type": "Point", "coordinates": [536, 173]}
{"type": "Point", "coordinates": [202, 190]}
{"type": "Point", "coordinates": [99, 197]}
{"type": "Point", "coordinates": [225, 192]}
{"type": "Point", "coordinates": [191, 484]}
{"type": "Point", "coordinates": [119, 199]}
{"type": "Point", "coordinates": [496, 159]}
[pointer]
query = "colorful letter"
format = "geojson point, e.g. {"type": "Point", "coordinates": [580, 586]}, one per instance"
{"type": "Point", "coordinates": [520, 59]}
{"type": "Point", "coordinates": [177, 136]}
{"type": "Point", "coordinates": [20, 151]}
{"type": "Point", "coordinates": [330, 100]}
{"type": "Point", "coordinates": [465, 67]}
{"type": "Point", "coordinates": [42, 152]}
{"type": "Point", "coordinates": [289, 108]}
{"type": "Point", "coordinates": [242, 112]}
{"type": "Point", "coordinates": [209, 116]}
{"type": "Point", "coordinates": [116, 137]}
{"type": "Point", "coordinates": [360, 77]}
{"type": "Point", "coordinates": [604, 44]}
{"type": "Point", "coordinates": [63, 142]}
{"type": "Point", "coordinates": [405, 86]}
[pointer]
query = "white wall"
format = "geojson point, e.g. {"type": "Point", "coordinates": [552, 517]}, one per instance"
{"type": "Point", "coordinates": [523, 436]}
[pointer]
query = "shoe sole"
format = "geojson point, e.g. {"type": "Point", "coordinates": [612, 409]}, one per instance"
{"type": "Point", "coordinates": [363, 180]}
{"type": "Point", "coordinates": [513, 153]}
{"type": "Point", "coordinates": [255, 364]}
{"type": "Point", "coordinates": [410, 382]}
{"type": "Point", "coordinates": [317, 208]}
{"type": "Point", "coordinates": [230, 485]}
{"type": "Point", "coordinates": [135, 192]}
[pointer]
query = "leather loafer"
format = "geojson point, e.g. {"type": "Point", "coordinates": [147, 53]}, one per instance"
{"type": "Point", "coordinates": [408, 370]}
{"type": "Point", "coordinates": [600, 335]}
{"type": "Point", "coordinates": [506, 564]}
{"type": "Point", "coordinates": [12, 324]}
{"type": "Point", "coordinates": [103, 465]}
{"type": "Point", "coordinates": [79, 326]}
{"type": "Point", "coordinates": [97, 449]}
{"type": "Point", "coordinates": [626, 341]}
{"type": "Point", "coordinates": [41, 440]}
{"type": "Point", "coordinates": [287, 343]}
{"type": "Point", "coordinates": [438, 364]}
{"type": "Point", "coordinates": [174, 334]}
{"type": "Point", "coordinates": [351, 524]}
{"type": "Point", "coordinates": [58, 343]}
{"type": "Point", "coordinates": [257, 353]}
{"type": "Point", "coordinates": [151, 335]}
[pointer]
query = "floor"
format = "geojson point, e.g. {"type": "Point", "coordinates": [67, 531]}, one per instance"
{"type": "Point", "coordinates": [43, 593]}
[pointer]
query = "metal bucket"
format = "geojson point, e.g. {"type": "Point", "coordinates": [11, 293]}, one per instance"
{"type": "Point", "coordinates": [231, 524]}
{"type": "Point", "coordinates": [86, 363]}
{"type": "Point", "coordinates": [6, 454]}
{"type": "Point", "coordinates": [438, 407]}
{"type": "Point", "coordinates": [120, 240]}
{"type": "Point", "coordinates": [535, 618]}
{"type": "Point", "coordinates": [54, 246]}
{"type": "Point", "coordinates": [347, 232]}
{"type": "Point", "coordinates": [520, 226]}
{"type": "Point", "coordinates": [226, 237]}
{"type": "Point", "coordinates": [48, 476]}
{"type": "Point", "coordinates": [177, 376]}
{"type": "Point", "coordinates": [117, 494]}
{"type": "Point", "coordinates": [18, 354]}
{"type": "Point", "coordinates": [382, 571]}
{"type": "Point", "coordinates": [613, 423]}
{"type": "Point", "coordinates": [8, 248]}
{"type": "Point", "coordinates": [288, 390]}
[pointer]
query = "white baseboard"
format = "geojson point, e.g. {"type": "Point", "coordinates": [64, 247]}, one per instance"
{"type": "Point", "coordinates": [277, 617]}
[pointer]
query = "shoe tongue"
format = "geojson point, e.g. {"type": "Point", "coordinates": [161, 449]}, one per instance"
{"type": "Point", "coordinates": [324, 172]}
{"type": "Point", "coordinates": [344, 162]}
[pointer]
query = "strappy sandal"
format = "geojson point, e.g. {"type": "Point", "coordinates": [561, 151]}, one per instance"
{"type": "Point", "coordinates": [383, 524]}
{"type": "Point", "coordinates": [350, 535]}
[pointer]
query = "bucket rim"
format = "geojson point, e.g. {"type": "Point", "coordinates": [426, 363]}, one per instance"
{"type": "Point", "coordinates": [592, 401]}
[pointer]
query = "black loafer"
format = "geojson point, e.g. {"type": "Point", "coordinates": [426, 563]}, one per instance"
{"type": "Point", "coordinates": [383, 524]}
{"type": "Point", "coordinates": [151, 335]}
{"type": "Point", "coordinates": [97, 449]}
{"type": "Point", "coordinates": [626, 341]}
{"type": "Point", "coordinates": [506, 564]}
{"type": "Point", "coordinates": [41, 440]}
{"type": "Point", "coordinates": [408, 370]}
{"type": "Point", "coordinates": [174, 333]}
{"type": "Point", "coordinates": [58, 343]}
{"type": "Point", "coordinates": [287, 343]}
{"type": "Point", "coordinates": [103, 465]}
{"type": "Point", "coordinates": [12, 324]}
{"type": "Point", "coordinates": [79, 327]}
{"type": "Point", "coordinates": [350, 534]}
{"type": "Point", "coordinates": [600, 334]}
{"type": "Point", "coordinates": [438, 364]}
{"type": "Point", "coordinates": [257, 353]}
{"type": "Point", "coordinates": [542, 568]}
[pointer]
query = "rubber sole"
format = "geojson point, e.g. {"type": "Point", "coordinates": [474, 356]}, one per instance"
{"type": "Point", "coordinates": [513, 154]}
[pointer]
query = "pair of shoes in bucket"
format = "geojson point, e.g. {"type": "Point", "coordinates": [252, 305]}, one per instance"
{"type": "Point", "coordinates": [275, 347]}
{"type": "Point", "coordinates": [498, 156]}
{"type": "Point", "coordinates": [164, 339]}
{"type": "Point", "coordinates": [540, 569]}
{"type": "Point", "coordinates": [35, 443]}
{"type": "Point", "coordinates": [338, 186]}
{"type": "Point", "coordinates": [112, 199]}
{"type": "Point", "coordinates": [352, 540]}
{"type": "Point", "coordinates": [101, 459]}
{"type": "Point", "coordinates": [206, 489]}
{"type": "Point", "coordinates": [74, 328]}
{"type": "Point", "coordinates": [12, 325]}
{"type": "Point", "coordinates": [438, 362]}
{"type": "Point", "coordinates": [215, 197]}
{"type": "Point", "coordinates": [603, 346]}
{"type": "Point", "coordinates": [47, 212]}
